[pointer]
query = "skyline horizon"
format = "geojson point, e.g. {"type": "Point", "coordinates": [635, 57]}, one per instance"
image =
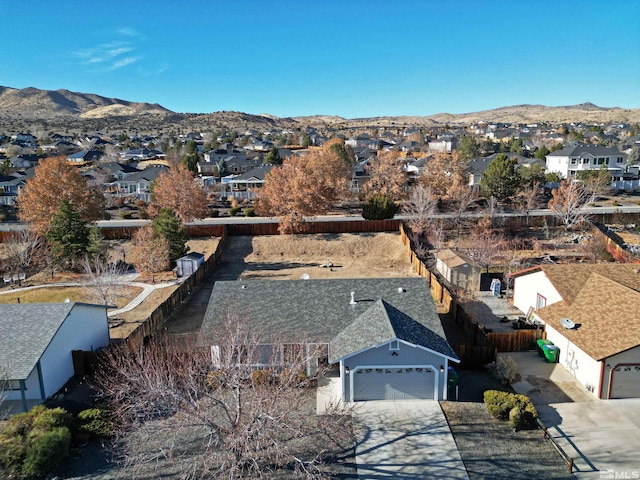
{"type": "Point", "coordinates": [268, 114]}
{"type": "Point", "coordinates": [350, 59]}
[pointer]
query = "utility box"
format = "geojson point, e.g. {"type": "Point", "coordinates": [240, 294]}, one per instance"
{"type": "Point", "coordinates": [188, 264]}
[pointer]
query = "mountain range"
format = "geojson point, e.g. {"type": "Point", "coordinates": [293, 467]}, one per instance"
{"type": "Point", "coordinates": [21, 108]}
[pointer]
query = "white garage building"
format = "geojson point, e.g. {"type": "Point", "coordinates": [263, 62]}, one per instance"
{"type": "Point", "coordinates": [602, 304]}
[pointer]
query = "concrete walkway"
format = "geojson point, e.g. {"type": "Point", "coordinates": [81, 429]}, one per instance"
{"type": "Point", "coordinates": [125, 279]}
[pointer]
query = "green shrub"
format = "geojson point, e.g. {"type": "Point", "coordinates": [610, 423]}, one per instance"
{"type": "Point", "coordinates": [45, 450]}
{"type": "Point", "coordinates": [499, 404]}
{"type": "Point", "coordinates": [50, 419]}
{"type": "Point", "coordinates": [3, 217]}
{"type": "Point", "coordinates": [95, 422]}
{"type": "Point", "coordinates": [249, 212]}
{"type": "Point", "coordinates": [261, 377]}
{"type": "Point", "coordinates": [616, 204]}
{"type": "Point", "coordinates": [125, 215]}
{"type": "Point", "coordinates": [516, 418]}
{"type": "Point", "coordinates": [214, 213]}
{"type": "Point", "coordinates": [233, 211]}
{"type": "Point", "coordinates": [379, 207]}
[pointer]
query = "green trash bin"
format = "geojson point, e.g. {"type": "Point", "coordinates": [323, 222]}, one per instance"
{"type": "Point", "coordinates": [540, 343]}
{"type": "Point", "coordinates": [551, 353]}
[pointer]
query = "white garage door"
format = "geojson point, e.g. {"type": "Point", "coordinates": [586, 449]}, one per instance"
{"type": "Point", "coordinates": [393, 383]}
{"type": "Point", "coordinates": [626, 382]}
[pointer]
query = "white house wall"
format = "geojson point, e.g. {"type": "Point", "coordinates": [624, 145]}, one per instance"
{"type": "Point", "coordinates": [627, 357]}
{"type": "Point", "coordinates": [407, 355]}
{"type": "Point", "coordinates": [559, 165]}
{"type": "Point", "coordinates": [578, 363]}
{"type": "Point", "coordinates": [86, 328]}
{"type": "Point", "coordinates": [527, 287]}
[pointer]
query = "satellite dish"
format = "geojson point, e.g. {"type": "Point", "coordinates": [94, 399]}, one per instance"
{"type": "Point", "coordinates": [305, 276]}
{"type": "Point", "coordinates": [567, 323]}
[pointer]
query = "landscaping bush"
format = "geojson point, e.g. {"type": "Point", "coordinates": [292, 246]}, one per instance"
{"type": "Point", "coordinates": [95, 422]}
{"type": "Point", "coordinates": [249, 212]}
{"type": "Point", "coordinates": [214, 213]}
{"type": "Point", "coordinates": [125, 215]}
{"type": "Point", "coordinates": [233, 211]}
{"type": "Point", "coordinates": [261, 377]}
{"type": "Point", "coordinates": [505, 370]}
{"type": "Point", "coordinates": [45, 450]}
{"type": "Point", "coordinates": [499, 404]}
{"type": "Point", "coordinates": [293, 377]}
{"type": "Point", "coordinates": [379, 207]}
{"type": "Point", "coordinates": [516, 418]}
{"type": "Point", "coordinates": [32, 443]}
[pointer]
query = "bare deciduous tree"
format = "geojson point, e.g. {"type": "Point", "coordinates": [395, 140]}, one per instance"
{"type": "Point", "coordinates": [245, 416]}
{"type": "Point", "coordinates": [105, 283]}
{"type": "Point", "coordinates": [23, 250]}
{"type": "Point", "coordinates": [459, 198]}
{"type": "Point", "coordinates": [484, 246]}
{"type": "Point", "coordinates": [568, 203]}
{"type": "Point", "coordinates": [528, 200]}
{"type": "Point", "coordinates": [421, 206]}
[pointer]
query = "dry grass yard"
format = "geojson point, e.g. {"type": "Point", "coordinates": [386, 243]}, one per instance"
{"type": "Point", "coordinates": [60, 294]}
{"type": "Point", "coordinates": [288, 257]}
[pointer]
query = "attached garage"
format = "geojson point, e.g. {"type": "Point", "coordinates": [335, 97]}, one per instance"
{"type": "Point", "coordinates": [625, 381]}
{"type": "Point", "coordinates": [395, 383]}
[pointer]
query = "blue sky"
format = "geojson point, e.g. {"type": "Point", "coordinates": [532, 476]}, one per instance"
{"type": "Point", "coordinates": [348, 58]}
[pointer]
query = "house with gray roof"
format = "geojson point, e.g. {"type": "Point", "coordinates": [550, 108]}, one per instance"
{"type": "Point", "coordinates": [138, 184]}
{"type": "Point", "coordinates": [383, 335]}
{"type": "Point", "coordinates": [576, 157]}
{"type": "Point", "coordinates": [36, 341]}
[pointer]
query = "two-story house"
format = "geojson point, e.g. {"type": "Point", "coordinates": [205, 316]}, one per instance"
{"type": "Point", "coordinates": [576, 157]}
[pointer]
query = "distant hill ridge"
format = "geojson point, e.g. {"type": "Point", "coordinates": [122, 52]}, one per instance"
{"type": "Point", "coordinates": [35, 104]}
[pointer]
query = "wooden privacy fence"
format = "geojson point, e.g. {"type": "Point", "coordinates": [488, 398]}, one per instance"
{"type": "Point", "coordinates": [162, 312]}
{"type": "Point", "coordinates": [481, 346]}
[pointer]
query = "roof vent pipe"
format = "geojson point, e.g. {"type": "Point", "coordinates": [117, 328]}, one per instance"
{"type": "Point", "coordinates": [353, 298]}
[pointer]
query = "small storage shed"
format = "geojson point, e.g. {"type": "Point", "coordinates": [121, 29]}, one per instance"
{"type": "Point", "coordinates": [458, 269]}
{"type": "Point", "coordinates": [188, 264]}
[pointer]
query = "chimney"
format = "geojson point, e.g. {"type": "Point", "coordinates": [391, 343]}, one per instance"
{"type": "Point", "coordinates": [353, 299]}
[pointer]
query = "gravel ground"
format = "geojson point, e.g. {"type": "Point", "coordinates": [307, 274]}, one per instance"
{"type": "Point", "coordinates": [491, 449]}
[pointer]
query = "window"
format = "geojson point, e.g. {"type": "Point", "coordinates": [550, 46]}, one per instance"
{"type": "Point", "coordinates": [394, 345]}
{"type": "Point", "coordinates": [541, 301]}
{"type": "Point", "coordinates": [620, 160]}
{"type": "Point", "coordinates": [11, 384]}
{"type": "Point", "coordinates": [585, 161]}
{"type": "Point", "coordinates": [574, 161]}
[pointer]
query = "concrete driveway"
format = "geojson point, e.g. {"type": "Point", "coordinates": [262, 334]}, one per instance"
{"type": "Point", "coordinates": [405, 439]}
{"type": "Point", "coordinates": [603, 436]}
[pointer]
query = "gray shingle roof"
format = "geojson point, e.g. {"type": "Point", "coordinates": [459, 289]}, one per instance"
{"type": "Point", "coordinates": [320, 311]}
{"type": "Point", "coordinates": [25, 332]}
{"type": "Point", "coordinates": [577, 149]}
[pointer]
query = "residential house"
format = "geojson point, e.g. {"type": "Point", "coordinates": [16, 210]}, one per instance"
{"type": "Point", "coordinates": [10, 187]}
{"type": "Point", "coordinates": [244, 185]}
{"type": "Point", "coordinates": [140, 154]}
{"type": "Point", "coordinates": [576, 157]}
{"type": "Point", "coordinates": [458, 269]}
{"type": "Point", "coordinates": [477, 166]}
{"type": "Point", "coordinates": [24, 161]}
{"type": "Point", "coordinates": [138, 184]}
{"type": "Point", "coordinates": [85, 156]}
{"type": "Point", "coordinates": [383, 335]}
{"type": "Point", "coordinates": [590, 312]}
{"type": "Point", "coordinates": [444, 143]}
{"type": "Point", "coordinates": [36, 341]}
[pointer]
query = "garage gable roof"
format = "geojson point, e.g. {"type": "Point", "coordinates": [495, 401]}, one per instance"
{"type": "Point", "coordinates": [26, 329]}
{"type": "Point", "coordinates": [607, 315]}
{"type": "Point", "coordinates": [380, 324]}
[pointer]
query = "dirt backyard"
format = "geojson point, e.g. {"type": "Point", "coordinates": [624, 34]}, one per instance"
{"type": "Point", "coordinates": [289, 257]}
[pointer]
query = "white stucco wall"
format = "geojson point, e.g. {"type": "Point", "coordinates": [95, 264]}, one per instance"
{"type": "Point", "coordinates": [86, 328]}
{"type": "Point", "coordinates": [527, 287]}
{"type": "Point", "coordinates": [578, 363]}
{"type": "Point", "coordinates": [558, 165]}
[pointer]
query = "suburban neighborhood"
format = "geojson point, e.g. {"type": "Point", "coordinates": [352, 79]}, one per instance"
{"type": "Point", "coordinates": [500, 284]}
